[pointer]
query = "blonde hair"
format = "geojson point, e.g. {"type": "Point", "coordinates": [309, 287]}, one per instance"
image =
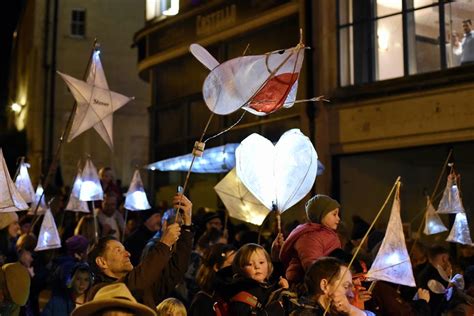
{"type": "Point", "coordinates": [171, 307]}
{"type": "Point", "coordinates": [242, 258]}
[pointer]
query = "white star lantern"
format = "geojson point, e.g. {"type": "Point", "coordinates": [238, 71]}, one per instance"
{"type": "Point", "coordinates": [95, 102]}
{"type": "Point", "coordinates": [10, 198]}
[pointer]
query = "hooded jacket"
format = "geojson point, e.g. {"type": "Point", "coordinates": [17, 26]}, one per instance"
{"type": "Point", "coordinates": [305, 244]}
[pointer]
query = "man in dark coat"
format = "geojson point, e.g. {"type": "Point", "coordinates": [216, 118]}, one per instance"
{"type": "Point", "coordinates": [157, 275]}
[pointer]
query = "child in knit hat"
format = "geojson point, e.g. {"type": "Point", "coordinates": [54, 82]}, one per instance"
{"type": "Point", "coordinates": [312, 240]}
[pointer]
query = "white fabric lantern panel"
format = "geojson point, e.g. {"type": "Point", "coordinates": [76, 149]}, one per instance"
{"type": "Point", "coordinates": [48, 237]}
{"type": "Point", "coordinates": [10, 198]}
{"type": "Point", "coordinates": [283, 173]}
{"type": "Point", "coordinates": [136, 197]}
{"type": "Point", "coordinates": [91, 189]}
{"type": "Point", "coordinates": [451, 202]}
{"type": "Point", "coordinates": [74, 204]}
{"type": "Point", "coordinates": [433, 223]}
{"type": "Point", "coordinates": [460, 231]}
{"type": "Point", "coordinates": [23, 183]}
{"type": "Point", "coordinates": [39, 199]}
{"type": "Point", "coordinates": [239, 201]}
{"type": "Point", "coordinates": [392, 263]}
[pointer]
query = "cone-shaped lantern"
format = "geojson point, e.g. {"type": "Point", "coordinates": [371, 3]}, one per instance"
{"type": "Point", "coordinates": [42, 204]}
{"type": "Point", "coordinates": [10, 198]}
{"type": "Point", "coordinates": [23, 183]}
{"type": "Point", "coordinates": [74, 204]}
{"type": "Point", "coordinates": [433, 223]}
{"type": "Point", "coordinates": [392, 263]}
{"type": "Point", "coordinates": [460, 231]}
{"type": "Point", "coordinates": [48, 237]}
{"type": "Point", "coordinates": [136, 198]}
{"type": "Point", "coordinates": [451, 201]}
{"type": "Point", "coordinates": [91, 189]}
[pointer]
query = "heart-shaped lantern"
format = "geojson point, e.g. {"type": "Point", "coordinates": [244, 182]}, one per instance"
{"type": "Point", "coordinates": [280, 174]}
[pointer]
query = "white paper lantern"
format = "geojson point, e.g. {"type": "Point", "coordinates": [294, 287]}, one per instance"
{"type": "Point", "coordinates": [23, 183]}
{"type": "Point", "coordinates": [48, 237]}
{"type": "Point", "coordinates": [433, 223]}
{"type": "Point", "coordinates": [10, 199]}
{"type": "Point", "coordinates": [283, 173]}
{"type": "Point", "coordinates": [136, 198]}
{"type": "Point", "coordinates": [74, 204]}
{"type": "Point", "coordinates": [460, 231]}
{"type": "Point", "coordinates": [392, 263]}
{"type": "Point", "coordinates": [39, 199]}
{"type": "Point", "coordinates": [451, 202]}
{"type": "Point", "coordinates": [91, 189]}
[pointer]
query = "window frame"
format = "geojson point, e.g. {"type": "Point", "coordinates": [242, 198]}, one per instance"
{"type": "Point", "coordinates": [75, 24]}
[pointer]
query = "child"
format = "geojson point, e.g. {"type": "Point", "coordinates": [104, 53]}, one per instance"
{"type": "Point", "coordinates": [251, 294]}
{"type": "Point", "coordinates": [311, 240]}
{"type": "Point", "coordinates": [171, 307]}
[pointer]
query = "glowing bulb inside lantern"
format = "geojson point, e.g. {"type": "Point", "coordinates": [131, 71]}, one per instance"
{"type": "Point", "coordinates": [393, 259]}
{"type": "Point", "coordinates": [137, 201]}
{"type": "Point", "coordinates": [88, 191]}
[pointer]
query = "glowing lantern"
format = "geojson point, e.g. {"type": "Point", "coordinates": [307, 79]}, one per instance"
{"type": "Point", "coordinates": [74, 204]}
{"type": "Point", "coordinates": [280, 174]}
{"type": "Point", "coordinates": [136, 198]}
{"type": "Point", "coordinates": [433, 223]}
{"type": "Point", "coordinates": [91, 189]}
{"type": "Point", "coordinates": [39, 199]}
{"type": "Point", "coordinates": [451, 201]}
{"type": "Point", "coordinates": [48, 237]}
{"type": "Point", "coordinates": [238, 200]}
{"type": "Point", "coordinates": [10, 198]}
{"type": "Point", "coordinates": [23, 183]}
{"type": "Point", "coordinates": [460, 231]}
{"type": "Point", "coordinates": [392, 263]}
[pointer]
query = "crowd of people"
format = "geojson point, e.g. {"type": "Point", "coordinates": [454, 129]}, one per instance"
{"type": "Point", "coordinates": [187, 262]}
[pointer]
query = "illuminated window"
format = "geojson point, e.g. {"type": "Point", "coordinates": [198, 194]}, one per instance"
{"type": "Point", "coordinates": [78, 22]}
{"type": "Point", "coordinates": [159, 8]}
{"type": "Point", "coordinates": [387, 39]}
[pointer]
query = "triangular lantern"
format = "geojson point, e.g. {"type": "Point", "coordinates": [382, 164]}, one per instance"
{"type": "Point", "coordinates": [460, 231]}
{"type": "Point", "coordinates": [48, 237]}
{"type": "Point", "coordinates": [74, 204]}
{"type": "Point", "coordinates": [39, 199]}
{"type": "Point", "coordinates": [91, 189]}
{"type": "Point", "coordinates": [136, 197]}
{"type": "Point", "coordinates": [451, 202]}
{"type": "Point", "coordinates": [392, 263]}
{"type": "Point", "coordinates": [433, 223]}
{"type": "Point", "coordinates": [23, 183]}
{"type": "Point", "coordinates": [10, 198]}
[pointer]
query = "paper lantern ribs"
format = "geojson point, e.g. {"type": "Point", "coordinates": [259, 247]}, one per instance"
{"type": "Point", "coordinates": [48, 237]}
{"type": "Point", "coordinates": [451, 202]}
{"type": "Point", "coordinates": [238, 200]}
{"type": "Point", "coordinates": [392, 263]}
{"type": "Point", "coordinates": [10, 198]}
{"type": "Point", "coordinates": [91, 189]}
{"type": "Point", "coordinates": [433, 223]}
{"type": "Point", "coordinates": [280, 174]}
{"type": "Point", "coordinates": [136, 198]}
{"type": "Point", "coordinates": [95, 102]}
{"type": "Point", "coordinates": [74, 204]}
{"type": "Point", "coordinates": [23, 183]}
{"type": "Point", "coordinates": [261, 84]}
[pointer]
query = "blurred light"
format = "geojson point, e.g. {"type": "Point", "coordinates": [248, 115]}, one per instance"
{"type": "Point", "coordinates": [173, 9]}
{"type": "Point", "coordinates": [16, 107]}
{"type": "Point", "coordinates": [383, 39]}
{"type": "Point", "coordinates": [91, 189]}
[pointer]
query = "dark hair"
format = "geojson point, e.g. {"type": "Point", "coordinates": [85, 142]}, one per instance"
{"type": "Point", "coordinates": [242, 258]}
{"type": "Point", "coordinates": [467, 21]}
{"type": "Point", "coordinates": [216, 256]}
{"type": "Point", "coordinates": [81, 268]}
{"type": "Point", "coordinates": [469, 276]}
{"type": "Point", "coordinates": [209, 238]}
{"type": "Point", "coordinates": [436, 250]}
{"type": "Point", "coordinates": [97, 251]}
{"type": "Point", "coordinates": [324, 268]}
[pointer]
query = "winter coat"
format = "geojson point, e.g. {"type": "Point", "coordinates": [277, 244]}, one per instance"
{"type": "Point", "coordinates": [60, 304]}
{"type": "Point", "coordinates": [305, 244]}
{"type": "Point", "coordinates": [155, 277]}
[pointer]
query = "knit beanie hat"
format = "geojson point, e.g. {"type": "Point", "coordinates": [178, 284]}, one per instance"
{"type": "Point", "coordinates": [7, 218]}
{"type": "Point", "coordinates": [318, 206]}
{"type": "Point", "coordinates": [77, 244]}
